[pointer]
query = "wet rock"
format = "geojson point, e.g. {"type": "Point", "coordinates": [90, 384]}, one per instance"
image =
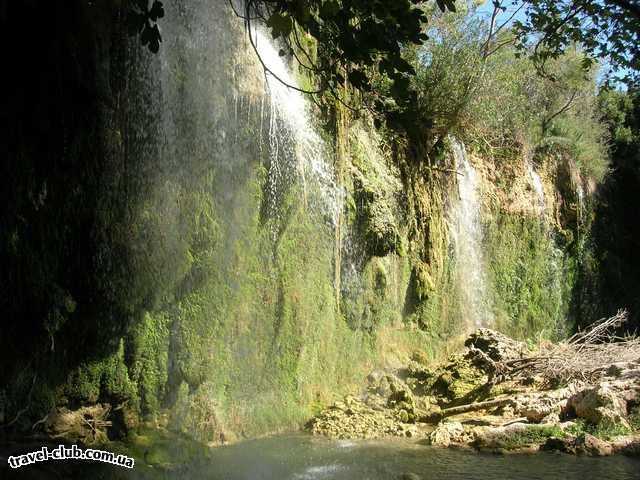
{"type": "Point", "coordinates": [497, 346]}
{"type": "Point", "coordinates": [593, 446]}
{"type": "Point", "coordinates": [627, 445]}
{"type": "Point", "coordinates": [447, 433]}
{"type": "Point", "coordinates": [565, 444]}
{"type": "Point", "coordinates": [599, 404]}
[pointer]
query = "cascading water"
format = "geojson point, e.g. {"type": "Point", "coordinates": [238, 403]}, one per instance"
{"type": "Point", "coordinates": [291, 129]}
{"type": "Point", "coordinates": [466, 231]}
{"type": "Point", "coordinates": [536, 182]}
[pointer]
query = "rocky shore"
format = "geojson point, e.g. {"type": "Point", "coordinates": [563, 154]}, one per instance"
{"type": "Point", "coordinates": [469, 402]}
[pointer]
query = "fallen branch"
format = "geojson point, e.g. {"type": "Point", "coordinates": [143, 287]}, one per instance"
{"type": "Point", "coordinates": [585, 356]}
{"type": "Point", "coordinates": [470, 407]}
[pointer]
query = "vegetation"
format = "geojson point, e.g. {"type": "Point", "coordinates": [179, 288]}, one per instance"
{"type": "Point", "coordinates": [150, 264]}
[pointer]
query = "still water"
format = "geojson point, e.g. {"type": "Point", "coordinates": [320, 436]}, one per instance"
{"type": "Point", "coordinates": [302, 457]}
{"type": "Point", "coordinates": [308, 458]}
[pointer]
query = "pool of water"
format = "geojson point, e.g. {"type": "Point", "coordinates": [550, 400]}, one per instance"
{"type": "Point", "coordinates": [302, 457]}
{"type": "Point", "coordinates": [307, 458]}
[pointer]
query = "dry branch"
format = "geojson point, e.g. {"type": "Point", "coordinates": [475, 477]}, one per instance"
{"type": "Point", "coordinates": [585, 356]}
{"type": "Point", "coordinates": [470, 407]}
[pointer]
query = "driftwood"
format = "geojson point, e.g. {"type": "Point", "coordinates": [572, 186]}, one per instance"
{"type": "Point", "coordinates": [584, 357]}
{"type": "Point", "coordinates": [470, 407]}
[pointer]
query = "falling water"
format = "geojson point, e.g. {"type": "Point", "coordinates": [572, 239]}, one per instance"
{"type": "Point", "coordinates": [467, 237]}
{"type": "Point", "coordinates": [291, 129]}
{"type": "Point", "coordinates": [536, 182]}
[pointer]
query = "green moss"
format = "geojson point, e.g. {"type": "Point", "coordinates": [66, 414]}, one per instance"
{"type": "Point", "coordinates": [531, 282]}
{"type": "Point", "coordinates": [149, 352]}
{"type": "Point", "coordinates": [532, 435]}
{"type": "Point", "coordinates": [106, 379]}
{"type": "Point", "coordinates": [603, 430]}
{"type": "Point", "coordinates": [460, 381]}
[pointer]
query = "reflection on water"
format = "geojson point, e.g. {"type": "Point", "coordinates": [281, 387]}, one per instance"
{"type": "Point", "coordinates": [302, 457]}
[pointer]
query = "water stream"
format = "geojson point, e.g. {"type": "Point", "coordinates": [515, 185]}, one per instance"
{"type": "Point", "coordinates": [536, 182]}
{"type": "Point", "coordinates": [466, 230]}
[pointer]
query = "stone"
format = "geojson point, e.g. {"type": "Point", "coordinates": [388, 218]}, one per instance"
{"type": "Point", "coordinates": [561, 444]}
{"type": "Point", "coordinates": [409, 476]}
{"type": "Point", "coordinates": [446, 433]}
{"type": "Point", "coordinates": [542, 407]}
{"type": "Point", "coordinates": [627, 445]}
{"type": "Point", "coordinates": [593, 446]}
{"type": "Point", "coordinates": [599, 404]}
{"type": "Point", "coordinates": [497, 346]}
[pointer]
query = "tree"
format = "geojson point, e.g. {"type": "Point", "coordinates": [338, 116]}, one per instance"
{"type": "Point", "coordinates": [362, 43]}
{"type": "Point", "coordinates": [606, 29]}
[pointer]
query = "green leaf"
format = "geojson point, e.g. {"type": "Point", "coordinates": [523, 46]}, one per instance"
{"type": "Point", "coordinates": [280, 25]}
{"type": "Point", "coordinates": [157, 11]}
{"type": "Point", "coordinates": [329, 8]}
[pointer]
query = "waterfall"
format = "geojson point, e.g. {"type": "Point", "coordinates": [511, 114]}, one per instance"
{"type": "Point", "coordinates": [291, 127]}
{"type": "Point", "coordinates": [466, 231]}
{"type": "Point", "coordinates": [536, 182]}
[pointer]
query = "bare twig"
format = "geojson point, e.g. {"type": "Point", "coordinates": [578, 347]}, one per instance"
{"type": "Point", "coordinates": [585, 356]}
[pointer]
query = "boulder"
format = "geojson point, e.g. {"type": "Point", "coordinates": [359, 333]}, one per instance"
{"type": "Point", "coordinates": [446, 433]}
{"type": "Point", "coordinates": [542, 407]}
{"type": "Point", "coordinates": [627, 445]}
{"type": "Point", "coordinates": [600, 403]}
{"type": "Point", "coordinates": [593, 446]}
{"type": "Point", "coordinates": [495, 345]}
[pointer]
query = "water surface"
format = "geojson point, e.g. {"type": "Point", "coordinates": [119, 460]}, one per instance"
{"type": "Point", "coordinates": [302, 457]}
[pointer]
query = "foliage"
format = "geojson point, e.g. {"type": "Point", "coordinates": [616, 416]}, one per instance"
{"type": "Point", "coordinates": [613, 275]}
{"type": "Point", "coordinates": [531, 435]}
{"type": "Point", "coordinates": [606, 29]}
{"type": "Point", "coordinates": [357, 41]}
{"type": "Point", "coordinates": [603, 430]}
{"type": "Point", "coordinates": [143, 20]}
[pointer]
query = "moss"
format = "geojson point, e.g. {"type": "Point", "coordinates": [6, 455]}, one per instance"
{"type": "Point", "coordinates": [374, 198]}
{"type": "Point", "coordinates": [532, 435]}
{"type": "Point", "coordinates": [101, 380]}
{"type": "Point", "coordinates": [149, 364]}
{"type": "Point", "coordinates": [602, 430]}
{"type": "Point", "coordinates": [531, 285]}
{"type": "Point", "coordinates": [459, 380]}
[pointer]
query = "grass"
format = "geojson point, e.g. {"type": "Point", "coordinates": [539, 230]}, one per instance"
{"type": "Point", "coordinates": [533, 435]}
{"type": "Point", "coordinates": [604, 430]}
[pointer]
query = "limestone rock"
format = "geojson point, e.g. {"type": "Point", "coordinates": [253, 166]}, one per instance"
{"type": "Point", "coordinates": [593, 446]}
{"type": "Point", "coordinates": [544, 407]}
{"type": "Point", "coordinates": [627, 445]}
{"type": "Point", "coordinates": [447, 433]}
{"type": "Point", "coordinates": [599, 404]}
{"type": "Point", "coordinates": [497, 346]}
